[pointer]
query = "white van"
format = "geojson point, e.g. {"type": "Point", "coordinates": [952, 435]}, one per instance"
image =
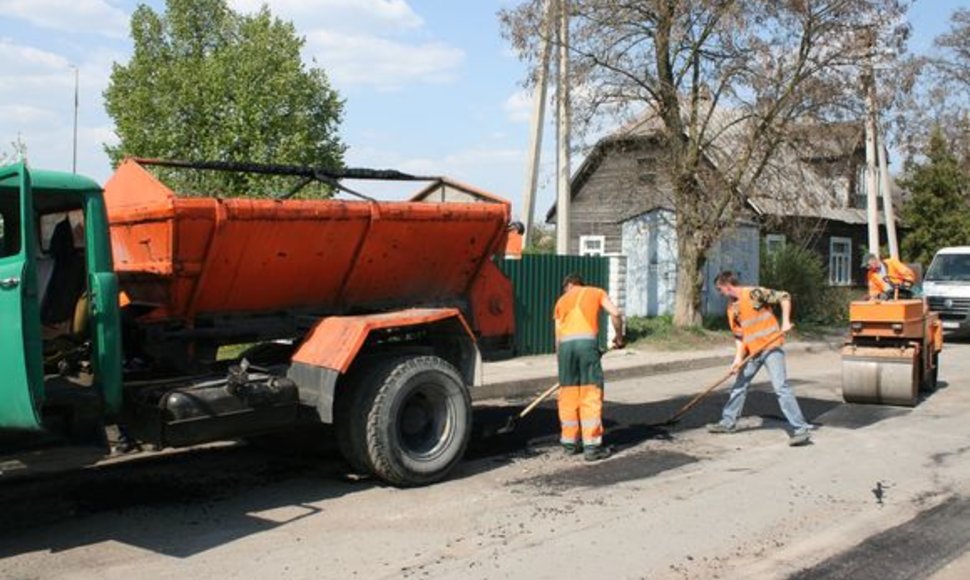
{"type": "Point", "coordinates": [946, 287]}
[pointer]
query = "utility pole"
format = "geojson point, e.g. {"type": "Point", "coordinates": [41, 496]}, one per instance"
{"type": "Point", "coordinates": [564, 200]}
{"type": "Point", "coordinates": [76, 77]}
{"type": "Point", "coordinates": [872, 186]}
{"type": "Point", "coordinates": [538, 118]}
{"type": "Point", "coordinates": [887, 201]}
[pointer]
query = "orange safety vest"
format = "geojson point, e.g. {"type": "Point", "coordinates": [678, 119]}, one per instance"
{"type": "Point", "coordinates": [757, 328]}
{"type": "Point", "coordinates": [897, 274]}
{"type": "Point", "coordinates": [577, 313]}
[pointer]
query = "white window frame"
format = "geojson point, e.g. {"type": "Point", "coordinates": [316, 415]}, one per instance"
{"type": "Point", "coordinates": [595, 240]}
{"type": "Point", "coordinates": [774, 242]}
{"type": "Point", "coordinates": [840, 264]}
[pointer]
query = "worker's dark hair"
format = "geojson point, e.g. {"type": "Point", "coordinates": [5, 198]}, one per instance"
{"type": "Point", "coordinates": [727, 278]}
{"type": "Point", "coordinates": [574, 279]}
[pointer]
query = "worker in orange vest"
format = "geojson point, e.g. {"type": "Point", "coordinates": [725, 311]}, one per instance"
{"type": "Point", "coordinates": [757, 332]}
{"type": "Point", "coordinates": [580, 372]}
{"type": "Point", "coordinates": [888, 278]}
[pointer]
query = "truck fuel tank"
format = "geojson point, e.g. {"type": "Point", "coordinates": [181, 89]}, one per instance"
{"type": "Point", "coordinates": [243, 403]}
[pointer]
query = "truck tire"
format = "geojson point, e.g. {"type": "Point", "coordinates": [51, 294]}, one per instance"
{"type": "Point", "coordinates": [351, 406]}
{"type": "Point", "coordinates": [418, 420]}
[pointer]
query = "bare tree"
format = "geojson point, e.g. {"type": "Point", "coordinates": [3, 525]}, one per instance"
{"type": "Point", "coordinates": [933, 92]}
{"type": "Point", "coordinates": [17, 152]}
{"type": "Point", "coordinates": [722, 81]}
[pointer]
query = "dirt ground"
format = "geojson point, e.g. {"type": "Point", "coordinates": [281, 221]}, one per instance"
{"type": "Point", "coordinates": [881, 493]}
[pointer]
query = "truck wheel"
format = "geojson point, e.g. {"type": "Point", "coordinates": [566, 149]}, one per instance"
{"type": "Point", "coordinates": [351, 406]}
{"type": "Point", "coordinates": [418, 421]}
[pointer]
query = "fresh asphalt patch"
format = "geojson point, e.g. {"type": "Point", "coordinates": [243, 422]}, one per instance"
{"type": "Point", "coordinates": [210, 476]}
{"type": "Point", "coordinates": [915, 549]}
{"type": "Point", "coordinates": [626, 467]}
{"type": "Point", "coordinates": [626, 424]}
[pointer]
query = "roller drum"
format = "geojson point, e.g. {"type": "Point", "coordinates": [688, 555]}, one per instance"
{"type": "Point", "coordinates": [889, 377]}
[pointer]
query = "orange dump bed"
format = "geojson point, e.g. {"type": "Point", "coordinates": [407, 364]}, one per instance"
{"type": "Point", "coordinates": [194, 256]}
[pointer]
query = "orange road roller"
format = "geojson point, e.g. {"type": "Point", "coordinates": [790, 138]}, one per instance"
{"type": "Point", "coordinates": [892, 352]}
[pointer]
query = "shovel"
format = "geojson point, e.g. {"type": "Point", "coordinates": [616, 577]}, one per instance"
{"type": "Point", "coordinates": [514, 419]}
{"type": "Point", "coordinates": [703, 394]}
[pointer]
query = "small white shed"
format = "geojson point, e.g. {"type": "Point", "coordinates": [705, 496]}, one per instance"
{"type": "Point", "coordinates": [649, 242]}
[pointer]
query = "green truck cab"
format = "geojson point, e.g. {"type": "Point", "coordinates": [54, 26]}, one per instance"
{"type": "Point", "coordinates": [47, 274]}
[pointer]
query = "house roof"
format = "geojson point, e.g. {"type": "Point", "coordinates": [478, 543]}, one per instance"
{"type": "Point", "coordinates": [789, 186]}
{"type": "Point", "coordinates": [442, 182]}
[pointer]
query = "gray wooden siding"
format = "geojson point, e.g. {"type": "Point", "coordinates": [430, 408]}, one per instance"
{"type": "Point", "coordinates": [628, 182]}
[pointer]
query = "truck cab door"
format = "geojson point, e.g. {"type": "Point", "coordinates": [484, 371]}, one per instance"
{"type": "Point", "coordinates": [22, 384]}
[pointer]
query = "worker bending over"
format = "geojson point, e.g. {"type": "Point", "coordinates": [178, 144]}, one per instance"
{"type": "Point", "coordinates": [757, 333]}
{"type": "Point", "coordinates": [580, 372]}
{"type": "Point", "coordinates": [889, 278]}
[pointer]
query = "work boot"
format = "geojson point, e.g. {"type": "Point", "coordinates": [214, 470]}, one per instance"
{"type": "Point", "coordinates": [720, 428]}
{"type": "Point", "coordinates": [596, 452]}
{"type": "Point", "coordinates": [799, 438]}
{"type": "Point", "coordinates": [571, 449]}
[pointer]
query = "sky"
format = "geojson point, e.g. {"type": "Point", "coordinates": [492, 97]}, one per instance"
{"type": "Point", "coordinates": [431, 87]}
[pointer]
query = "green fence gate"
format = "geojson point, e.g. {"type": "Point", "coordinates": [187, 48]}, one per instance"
{"type": "Point", "coordinates": [537, 283]}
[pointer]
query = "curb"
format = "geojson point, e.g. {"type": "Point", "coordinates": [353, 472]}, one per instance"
{"type": "Point", "coordinates": [525, 388]}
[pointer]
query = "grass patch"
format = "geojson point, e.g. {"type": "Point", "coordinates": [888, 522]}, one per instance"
{"type": "Point", "coordinates": [819, 332]}
{"type": "Point", "coordinates": [232, 351]}
{"type": "Point", "coordinates": [659, 333]}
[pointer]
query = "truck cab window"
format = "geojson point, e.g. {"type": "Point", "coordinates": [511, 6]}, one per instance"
{"type": "Point", "coordinates": [9, 226]}
{"type": "Point", "coordinates": [62, 274]}
{"type": "Point", "coordinates": [50, 221]}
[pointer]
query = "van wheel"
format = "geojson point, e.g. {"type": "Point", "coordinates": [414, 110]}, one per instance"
{"type": "Point", "coordinates": [418, 421]}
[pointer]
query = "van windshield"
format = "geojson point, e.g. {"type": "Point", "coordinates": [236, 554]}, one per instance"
{"type": "Point", "coordinates": [949, 268]}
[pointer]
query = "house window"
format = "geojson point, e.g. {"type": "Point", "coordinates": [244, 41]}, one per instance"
{"type": "Point", "coordinates": [840, 261]}
{"type": "Point", "coordinates": [774, 242]}
{"type": "Point", "coordinates": [592, 245]}
{"type": "Point", "coordinates": [647, 171]}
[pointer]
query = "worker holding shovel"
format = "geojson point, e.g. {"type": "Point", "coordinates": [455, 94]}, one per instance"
{"type": "Point", "coordinates": [580, 372]}
{"type": "Point", "coordinates": [758, 340]}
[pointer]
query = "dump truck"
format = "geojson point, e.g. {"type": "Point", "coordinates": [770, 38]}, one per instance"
{"type": "Point", "coordinates": [370, 316]}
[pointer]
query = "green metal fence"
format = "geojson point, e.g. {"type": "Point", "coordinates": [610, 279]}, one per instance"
{"type": "Point", "coordinates": [537, 283]}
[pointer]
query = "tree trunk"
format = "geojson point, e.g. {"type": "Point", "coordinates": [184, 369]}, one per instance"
{"type": "Point", "coordinates": [690, 280]}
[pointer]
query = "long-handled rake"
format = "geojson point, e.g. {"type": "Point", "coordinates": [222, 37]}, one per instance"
{"type": "Point", "coordinates": [703, 394]}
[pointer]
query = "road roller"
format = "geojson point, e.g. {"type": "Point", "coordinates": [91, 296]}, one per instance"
{"type": "Point", "coordinates": [892, 352]}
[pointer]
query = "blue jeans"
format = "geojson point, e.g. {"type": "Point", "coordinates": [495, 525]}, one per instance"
{"type": "Point", "coordinates": [774, 361]}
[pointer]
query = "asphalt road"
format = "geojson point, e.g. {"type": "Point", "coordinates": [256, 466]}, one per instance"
{"type": "Point", "coordinates": [881, 493]}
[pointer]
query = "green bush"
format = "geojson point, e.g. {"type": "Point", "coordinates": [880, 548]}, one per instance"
{"type": "Point", "coordinates": [801, 273]}
{"type": "Point", "coordinates": [832, 308]}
